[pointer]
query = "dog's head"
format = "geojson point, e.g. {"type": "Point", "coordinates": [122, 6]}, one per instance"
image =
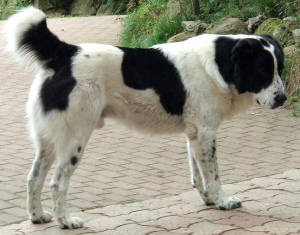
{"type": "Point", "coordinates": [258, 65]}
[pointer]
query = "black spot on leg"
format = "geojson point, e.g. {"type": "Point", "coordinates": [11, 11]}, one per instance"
{"type": "Point", "coordinates": [205, 194]}
{"type": "Point", "coordinates": [74, 160]}
{"type": "Point", "coordinates": [194, 186]}
{"type": "Point", "coordinates": [87, 56]}
{"type": "Point", "coordinates": [33, 214]}
{"type": "Point", "coordinates": [216, 177]}
{"type": "Point", "coordinates": [211, 171]}
{"type": "Point", "coordinates": [37, 169]}
{"type": "Point", "coordinates": [79, 149]}
{"type": "Point", "coordinates": [213, 149]}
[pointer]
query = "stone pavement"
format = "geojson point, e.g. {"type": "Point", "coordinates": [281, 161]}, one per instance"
{"type": "Point", "coordinates": [129, 183]}
{"type": "Point", "coordinates": [271, 206]}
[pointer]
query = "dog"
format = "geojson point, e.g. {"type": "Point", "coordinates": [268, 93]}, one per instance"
{"type": "Point", "coordinates": [189, 86]}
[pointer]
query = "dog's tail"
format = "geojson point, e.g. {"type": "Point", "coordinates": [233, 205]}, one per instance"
{"type": "Point", "coordinates": [31, 42]}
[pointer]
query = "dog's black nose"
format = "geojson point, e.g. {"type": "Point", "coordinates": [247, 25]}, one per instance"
{"type": "Point", "coordinates": [280, 99]}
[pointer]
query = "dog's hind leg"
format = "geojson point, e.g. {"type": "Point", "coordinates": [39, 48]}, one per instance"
{"type": "Point", "coordinates": [35, 181]}
{"type": "Point", "coordinates": [69, 155]}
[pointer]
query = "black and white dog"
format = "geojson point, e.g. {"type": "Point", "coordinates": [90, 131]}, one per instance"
{"type": "Point", "coordinates": [189, 86]}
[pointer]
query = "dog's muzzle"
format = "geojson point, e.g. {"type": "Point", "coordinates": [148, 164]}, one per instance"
{"type": "Point", "coordinates": [279, 100]}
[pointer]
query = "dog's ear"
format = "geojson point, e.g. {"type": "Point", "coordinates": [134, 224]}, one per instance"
{"type": "Point", "coordinates": [240, 50]}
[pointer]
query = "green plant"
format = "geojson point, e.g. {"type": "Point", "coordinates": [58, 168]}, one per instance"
{"type": "Point", "coordinates": [291, 75]}
{"type": "Point", "coordinates": [276, 8]}
{"type": "Point", "coordinates": [8, 7]}
{"type": "Point", "coordinates": [147, 25]}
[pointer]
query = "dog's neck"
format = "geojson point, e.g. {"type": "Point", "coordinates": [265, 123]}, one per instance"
{"type": "Point", "coordinates": [237, 103]}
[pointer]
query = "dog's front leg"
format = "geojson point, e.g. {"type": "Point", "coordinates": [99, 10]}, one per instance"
{"type": "Point", "coordinates": [203, 149]}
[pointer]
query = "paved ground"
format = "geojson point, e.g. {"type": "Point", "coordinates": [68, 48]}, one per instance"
{"type": "Point", "coordinates": [129, 183]}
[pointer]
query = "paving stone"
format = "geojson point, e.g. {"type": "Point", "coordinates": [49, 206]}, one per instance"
{"type": "Point", "coordinates": [145, 215]}
{"type": "Point", "coordinates": [132, 229]}
{"type": "Point", "coordinates": [278, 227]}
{"type": "Point", "coordinates": [105, 223]}
{"type": "Point", "coordinates": [115, 210]}
{"type": "Point", "coordinates": [172, 222]}
{"type": "Point", "coordinates": [243, 232]}
{"type": "Point", "coordinates": [245, 221]}
{"type": "Point", "coordinates": [287, 186]}
{"type": "Point", "coordinates": [205, 228]}
{"type": "Point", "coordinates": [285, 198]}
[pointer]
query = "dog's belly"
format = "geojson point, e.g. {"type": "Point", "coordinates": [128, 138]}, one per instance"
{"type": "Point", "coordinates": [142, 110]}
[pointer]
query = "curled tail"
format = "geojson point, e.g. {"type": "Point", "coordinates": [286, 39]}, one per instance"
{"type": "Point", "coordinates": [32, 43]}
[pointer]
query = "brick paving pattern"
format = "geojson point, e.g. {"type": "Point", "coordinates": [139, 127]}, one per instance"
{"type": "Point", "coordinates": [129, 183]}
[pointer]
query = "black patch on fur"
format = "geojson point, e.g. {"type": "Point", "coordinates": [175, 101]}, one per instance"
{"type": "Point", "coordinates": [33, 214]}
{"type": "Point", "coordinates": [264, 42]}
{"type": "Point", "coordinates": [150, 68]}
{"type": "Point", "coordinates": [244, 63]}
{"type": "Point", "coordinates": [79, 149]}
{"type": "Point", "coordinates": [74, 160]}
{"type": "Point", "coordinates": [56, 90]}
{"type": "Point", "coordinates": [87, 56]}
{"type": "Point", "coordinates": [56, 55]}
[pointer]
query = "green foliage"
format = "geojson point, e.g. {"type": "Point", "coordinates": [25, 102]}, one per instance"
{"type": "Point", "coordinates": [148, 26]}
{"type": "Point", "coordinates": [214, 10]}
{"type": "Point", "coordinates": [291, 75]}
{"type": "Point", "coordinates": [9, 7]}
{"type": "Point", "coordinates": [276, 8]}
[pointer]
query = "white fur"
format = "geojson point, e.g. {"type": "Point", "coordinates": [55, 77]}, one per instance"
{"type": "Point", "coordinates": [100, 93]}
{"type": "Point", "coordinates": [14, 29]}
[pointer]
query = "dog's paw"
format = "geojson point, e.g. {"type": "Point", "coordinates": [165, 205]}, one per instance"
{"type": "Point", "coordinates": [45, 217]}
{"type": "Point", "coordinates": [229, 203]}
{"type": "Point", "coordinates": [70, 223]}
